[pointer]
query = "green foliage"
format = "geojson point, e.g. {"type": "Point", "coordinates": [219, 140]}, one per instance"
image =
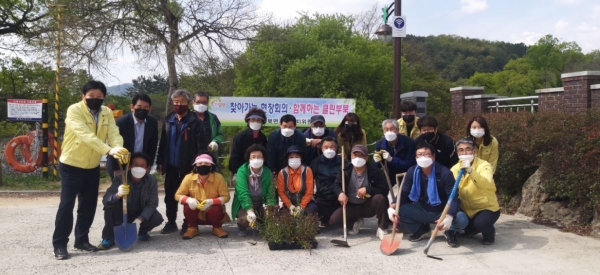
{"type": "Point", "coordinates": [156, 84]}
{"type": "Point", "coordinates": [28, 182]}
{"type": "Point", "coordinates": [10, 129]}
{"type": "Point", "coordinates": [214, 76]}
{"type": "Point", "coordinates": [281, 227]}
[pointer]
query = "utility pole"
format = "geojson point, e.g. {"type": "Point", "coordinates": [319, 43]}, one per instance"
{"type": "Point", "coordinates": [397, 64]}
{"type": "Point", "coordinates": [56, 89]}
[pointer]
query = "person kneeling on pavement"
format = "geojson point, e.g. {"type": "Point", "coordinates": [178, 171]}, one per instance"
{"type": "Point", "coordinates": [295, 183]}
{"type": "Point", "coordinates": [367, 191]}
{"type": "Point", "coordinates": [142, 201]}
{"type": "Point", "coordinates": [253, 189]}
{"type": "Point", "coordinates": [325, 169]}
{"type": "Point", "coordinates": [477, 191]}
{"type": "Point", "coordinates": [203, 194]}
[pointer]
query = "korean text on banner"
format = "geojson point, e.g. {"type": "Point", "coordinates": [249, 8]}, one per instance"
{"type": "Point", "coordinates": [232, 110]}
{"type": "Point", "coordinates": [24, 109]}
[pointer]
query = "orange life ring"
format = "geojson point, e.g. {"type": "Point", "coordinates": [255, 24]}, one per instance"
{"type": "Point", "coordinates": [24, 144]}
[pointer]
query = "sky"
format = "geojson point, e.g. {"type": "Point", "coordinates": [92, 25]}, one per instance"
{"type": "Point", "coordinates": [513, 21]}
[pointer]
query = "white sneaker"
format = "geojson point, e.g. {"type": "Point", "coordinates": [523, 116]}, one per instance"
{"type": "Point", "coordinates": [380, 233]}
{"type": "Point", "coordinates": [356, 227]}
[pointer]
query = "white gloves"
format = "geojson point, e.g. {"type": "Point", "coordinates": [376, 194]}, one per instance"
{"type": "Point", "coordinates": [446, 223]}
{"type": "Point", "coordinates": [233, 180]}
{"type": "Point", "coordinates": [138, 223]}
{"type": "Point", "coordinates": [205, 204]}
{"type": "Point", "coordinates": [123, 190]}
{"type": "Point", "coordinates": [251, 216]}
{"type": "Point", "coordinates": [192, 203]}
{"type": "Point", "coordinates": [119, 153]}
{"type": "Point", "coordinates": [377, 157]}
{"type": "Point", "coordinates": [292, 209]}
{"type": "Point", "coordinates": [387, 156]}
{"type": "Point", "coordinates": [213, 146]}
{"type": "Point", "coordinates": [391, 213]}
{"type": "Point", "coordinates": [465, 164]}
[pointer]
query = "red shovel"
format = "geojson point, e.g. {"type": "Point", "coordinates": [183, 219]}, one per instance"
{"type": "Point", "coordinates": [391, 242]}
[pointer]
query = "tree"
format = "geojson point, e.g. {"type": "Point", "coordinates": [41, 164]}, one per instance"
{"type": "Point", "coordinates": [24, 18]}
{"type": "Point", "coordinates": [214, 76]}
{"type": "Point", "coordinates": [156, 84]}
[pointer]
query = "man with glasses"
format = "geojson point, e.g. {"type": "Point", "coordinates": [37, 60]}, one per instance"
{"type": "Point", "coordinates": [443, 144]}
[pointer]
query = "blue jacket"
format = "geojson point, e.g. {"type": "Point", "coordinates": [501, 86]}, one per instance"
{"type": "Point", "coordinates": [403, 155]}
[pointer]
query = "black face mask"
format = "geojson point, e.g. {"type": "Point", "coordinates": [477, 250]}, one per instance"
{"type": "Point", "coordinates": [350, 127]}
{"type": "Point", "coordinates": [408, 118]}
{"type": "Point", "coordinates": [203, 170]}
{"type": "Point", "coordinates": [140, 114]}
{"type": "Point", "coordinates": [428, 136]}
{"type": "Point", "coordinates": [94, 103]}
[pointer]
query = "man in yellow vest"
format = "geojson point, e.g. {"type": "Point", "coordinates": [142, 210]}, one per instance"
{"type": "Point", "coordinates": [408, 123]}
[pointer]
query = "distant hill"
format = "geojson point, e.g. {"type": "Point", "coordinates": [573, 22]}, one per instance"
{"type": "Point", "coordinates": [120, 89]}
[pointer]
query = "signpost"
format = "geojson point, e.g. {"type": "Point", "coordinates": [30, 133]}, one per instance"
{"type": "Point", "coordinates": [399, 26]}
{"type": "Point", "coordinates": [24, 109]}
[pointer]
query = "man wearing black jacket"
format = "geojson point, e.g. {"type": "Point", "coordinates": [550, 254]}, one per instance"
{"type": "Point", "coordinates": [279, 142]}
{"type": "Point", "coordinates": [366, 193]}
{"type": "Point", "coordinates": [443, 144]}
{"type": "Point", "coordinates": [182, 139]}
{"type": "Point", "coordinates": [325, 169]}
{"type": "Point", "coordinates": [139, 132]}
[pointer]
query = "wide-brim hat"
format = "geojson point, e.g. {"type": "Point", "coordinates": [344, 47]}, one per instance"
{"type": "Point", "coordinates": [203, 158]}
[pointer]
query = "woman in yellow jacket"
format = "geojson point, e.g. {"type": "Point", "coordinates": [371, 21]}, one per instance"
{"type": "Point", "coordinates": [478, 130]}
{"type": "Point", "coordinates": [88, 126]}
{"type": "Point", "coordinates": [204, 194]}
{"type": "Point", "coordinates": [350, 133]}
{"type": "Point", "coordinates": [477, 191]}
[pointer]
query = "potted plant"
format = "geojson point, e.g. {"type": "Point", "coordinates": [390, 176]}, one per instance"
{"type": "Point", "coordinates": [283, 230]}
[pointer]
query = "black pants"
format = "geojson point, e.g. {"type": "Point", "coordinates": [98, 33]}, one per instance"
{"type": "Point", "coordinates": [113, 216]}
{"type": "Point", "coordinates": [110, 170]}
{"type": "Point", "coordinates": [375, 206]}
{"type": "Point", "coordinates": [326, 207]}
{"type": "Point", "coordinates": [81, 184]}
{"type": "Point", "coordinates": [483, 222]}
{"type": "Point", "coordinates": [172, 181]}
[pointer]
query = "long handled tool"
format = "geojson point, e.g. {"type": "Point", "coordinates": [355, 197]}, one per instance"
{"type": "Point", "coordinates": [344, 242]}
{"type": "Point", "coordinates": [387, 178]}
{"type": "Point", "coordinates": [126, 233]}
{"type": "Point", "coordinates": [446, 208]}
{"type": "Point", "coordinates": [390, 243]}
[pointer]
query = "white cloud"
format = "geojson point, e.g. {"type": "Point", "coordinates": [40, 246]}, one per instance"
{"type": "Point", "coordinates": [473, 6]}
{"type": "Point", "coordinates": [561, 25]}
{"type": "Point", "coordinates": [585, 28]}
{"type": "Point", "coordinates": [528, 38]}
{"type": "Point", "coordinates": [568, 2]}
{"type": "Point", "coordinates": [596, 12]}
{"type": "Point", "coordinates": [285, 10]}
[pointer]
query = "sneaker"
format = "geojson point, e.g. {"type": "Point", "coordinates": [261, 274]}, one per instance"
{"type": "Point", "coordinates": [451, 240]}
{"type": "Point", "coordinates": [356, 227]}
{"type": "Point", "coordinates": [61, 253]}
{"type": "Point", "coordinates": [468, 234]}
{"type": "Point", "coordinates": [380, 233]}
{"type": "Point", "coordinates": [143, 237]}
{"type": "Point", "coordinates": [190, 233]}
{"type": "Point", "coordinates": [86, 247]}
{"type": "Point", "coordinates": [184, 227]}
{"type": "Point", "coordinates": [219, 232]}
{"type": "Point", "coordinates": [242, 232]}
{"type": "Point", "coordinates": [423, 233]}
{"type": "Point", "coordinates": [169, 228]}
{"type": "Point", "coordinates": [106, 244]}
{"type": "Point", "coordinates": [489, 240]}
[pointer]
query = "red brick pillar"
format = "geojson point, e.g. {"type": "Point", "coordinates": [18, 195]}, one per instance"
{"type": "Point", "coordinates": [595, 91]}
{"type": "Point", "coordinates": [477, 104]}
{"type": "Point", "coordinates": [577, 94]}
{"type": "Point", "coordinates": [458, 94]}
{"type": "Point", "coordinates": [550, 99]}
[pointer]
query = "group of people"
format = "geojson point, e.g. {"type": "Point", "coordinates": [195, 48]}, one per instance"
{"type": "Point", "coordinates": [297, 171]}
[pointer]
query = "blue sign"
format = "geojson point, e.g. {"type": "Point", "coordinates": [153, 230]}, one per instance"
{"type": "Point", "coordinates": [399, 23]}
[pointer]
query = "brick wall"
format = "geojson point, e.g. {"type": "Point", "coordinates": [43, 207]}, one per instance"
{"type": "Point", "coordinates": [595, 92]}
{"type": "Point", "coordinates": [457, 96]}
{"type": "Point", "coordinates": [476, 104]}
{"type": "Point", "coordinates": [577, 95]}
{"type": "Point", "coordinates": [550, 99]}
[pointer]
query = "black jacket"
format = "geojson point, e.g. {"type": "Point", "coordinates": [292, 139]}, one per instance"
{"type": "Point", "coordinates": [377, 182]}
{"type": "Point", "coordinates": [325, 172]}
{"type": "Point", "coordinates": [192, 143]}
{"type": "Point", "coordinates": [240, 144]}
{"type": "Point", "coordinates": [444, 149]}
{"type": "Point", "coordinates": [127, 131]}
{"type": "Point", "coordinates": [149, 196]}
{"type": "Point", "coordinates": [277, 146]}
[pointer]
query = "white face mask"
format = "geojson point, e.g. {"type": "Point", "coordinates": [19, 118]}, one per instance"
{"type": "Point", "coordinates": [329, 153]}
{"type": "Point", "coordinates": [477, 132]}
{"type": "Point", "coordinates": [138, 172]}
{"type": "Point", "coordinates": [359, 162]}
{"type": "Point", "coordinates": [318, 131]}
{"type": "Point", "coordinates": [256, 163]}
{"type": "Point", "coordinates": [287, 132]}
{"type": "Point", "coordinates": [200, 108]}
{"type": "Point", "coordinates": [424, 162]}
{"type": "Point", "coordinates": [294, 163]}
{"type": "Point", "coordinates": [390, 136]}
{"type": "Point", "coordinates": [255, 125]}
{"type": "Point", "coordinates": [466, 157]}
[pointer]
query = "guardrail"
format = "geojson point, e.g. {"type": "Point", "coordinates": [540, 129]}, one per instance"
{"type": "Point", "coordinates": [532, 105]}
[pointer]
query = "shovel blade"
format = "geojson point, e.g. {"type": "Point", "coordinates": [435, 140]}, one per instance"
{"type": "Point", "coordinates": [340, 243]}
{"type": "Point", "coordinates": [390, 243]}
{"type": "Point", "coordinates": [125, 236]}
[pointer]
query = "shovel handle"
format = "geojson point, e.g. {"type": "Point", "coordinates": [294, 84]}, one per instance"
{"type": "Point", "coordinates": [403, 175]}
{"type": "Point", "coordinates": [387, 177]}
{"type": "Point", "coordinates": [344, 191]}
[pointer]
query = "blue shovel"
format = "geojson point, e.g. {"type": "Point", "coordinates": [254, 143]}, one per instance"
{"type": "Point", "coordinates": [126, 233]}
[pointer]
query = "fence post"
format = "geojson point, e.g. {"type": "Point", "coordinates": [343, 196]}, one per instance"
{"type": "Point", "coordinates": [532, 106]}
{"type": "Point", "coordinates": [45, 138]}
{"type": "Point", "coordinates": [497, 106]}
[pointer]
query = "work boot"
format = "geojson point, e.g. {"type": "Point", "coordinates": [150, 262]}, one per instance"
{"type": "Point", "coordinates": [219, 232]}
{"type": "Point", "coordinates": [190, 233]}
{"type": "Point", "coordinates": [169, 228]}
{"type": "Point", "coordinates": [61, 253]}
{"type": "Point", "coordinates": [106, 244]}
{"type": "Point", "coordinates": [451, 239]}
{"type": "Point", "coordinates": [356, 227]}
{"type": "Point", "coordinates": [423, 233]}
{"type": "Point", "coordinates": [489, 239]}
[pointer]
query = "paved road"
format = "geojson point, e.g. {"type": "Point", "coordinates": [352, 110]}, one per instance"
{"type": "Point", "coordinates": [521, 248]}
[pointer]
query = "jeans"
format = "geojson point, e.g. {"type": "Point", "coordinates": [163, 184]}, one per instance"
{"type": "Point", "coordinates": [413, 215]}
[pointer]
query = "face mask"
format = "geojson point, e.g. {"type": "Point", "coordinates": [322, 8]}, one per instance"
{"type": "Point", "coordinates": [466, 157]}
{"type": "Point", "coordinates": [287, 132]}
{"type": "Point", "coordinates": [203, 170]}
{"type": "Point", "coordinates": [390, 136]}
{"type": "Point", "coordinates": [294, 163]}
{"type": "Point", "coordinates": [350, 127]}
{"type": "Point", "coordinates": [329, 153]}
{"type": "Point", "coordinates": [477, 132]}
{"type": "Point", "coordinates": [359, 162]}
{"type": "Point", "coordinates": [408, 118]}
{"type": "Point", "coordinates": [180, 109]}
{"type": "Point", "coordinates": [140, 113]}
{"type": "Point", "coordinates": [255, 125]}
{"type": "Point", "coordinates": [318, 131]}
{"type": "Point", "coordinates": [94, 103]}
{"type": "Point", "coordinates": [428, 136]}
{"type": "Point", "coordinates": [138, 172]}
{"type": "Point", "coordinates": [424, 162]}
{"type": "Point", "coordinates": [256, 163]}
{"type": "Point", "coordinates": [200, 108]}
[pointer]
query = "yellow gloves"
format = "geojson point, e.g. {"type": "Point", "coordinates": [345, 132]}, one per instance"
{"type": "Point", "coordinates": [120, 153]}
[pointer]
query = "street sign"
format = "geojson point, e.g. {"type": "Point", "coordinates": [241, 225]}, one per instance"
{"type": "Point", "coordinates": [399, 26]}
{"type": "Point", "coordinates": [24, 109]}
